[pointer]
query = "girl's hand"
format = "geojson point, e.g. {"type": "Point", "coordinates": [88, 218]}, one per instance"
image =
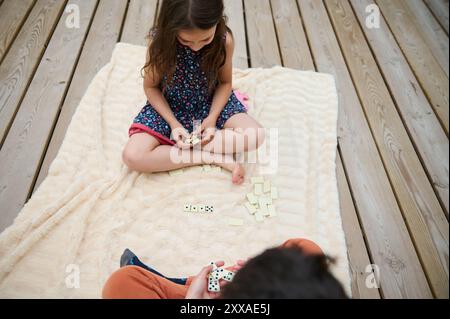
{"type": "Point", "coordinates": [208, 129]}
{"type": "Point", "coordinates": [179, 135]}
{"type": "Point", "coordinates": [199, 285]}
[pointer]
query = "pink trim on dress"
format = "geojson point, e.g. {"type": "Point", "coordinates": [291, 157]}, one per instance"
{"type": "Point", "coordinates": [140, 128]}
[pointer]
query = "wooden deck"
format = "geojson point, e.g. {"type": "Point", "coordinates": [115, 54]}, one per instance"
{"type": "Point", "coordinates": [392, 165]}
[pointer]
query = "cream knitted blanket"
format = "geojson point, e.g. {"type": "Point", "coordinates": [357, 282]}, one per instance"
{"type": "Point", "coordinates": [68, 238]}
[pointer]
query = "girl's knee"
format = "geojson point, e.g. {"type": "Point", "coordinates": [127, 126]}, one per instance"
{"type": "Point", "coordinates": [133, 158]}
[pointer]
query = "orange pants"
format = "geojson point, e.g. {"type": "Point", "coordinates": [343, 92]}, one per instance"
{"type": "Point", "coordinates": [133, 282]}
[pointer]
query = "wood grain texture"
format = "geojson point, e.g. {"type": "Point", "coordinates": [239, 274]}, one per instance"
{"type": "Point", "coordinates": [140, 17]}
{"type": "Point", "coordinates": [291, 36]}
{"type": "Point", "coordinates": [297, 55]}
{"type": "Point", "coordinates": [19, 65]}
{"type": "Point", "coordinates": [391, 247]}
{"type": "Point", "coordinates": [235, 13]}
{"type": "Point", "coordinates": [358, 255]}
{"type": "Point", "coordinates": [103, 36]}
{"type": "Point", "coordinates": [430, 30]}
{"type": "Point", "coordinates": [429, 139]}
{"type": "Point", "coordinates": [27, 139]}
{"type": "Point", "coordinates": [261, 32]}
{"type": "Point", "coordinates": [440, 11]}
{"type": "Point", "coordinates": [12, 15]}
{"type": "Point", "coordinates": [421, 209]}
{"type": "Point", "coordinates": [428, 71]}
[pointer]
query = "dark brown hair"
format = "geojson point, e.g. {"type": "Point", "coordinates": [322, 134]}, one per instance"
{"type": "Point", "coordinates": [285, 273]}
{"type": "Point", "coordinates": [176, 15]}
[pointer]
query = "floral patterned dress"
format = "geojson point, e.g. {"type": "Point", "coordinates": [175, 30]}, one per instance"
{"type": "Point", "coordinates": [188, 98]}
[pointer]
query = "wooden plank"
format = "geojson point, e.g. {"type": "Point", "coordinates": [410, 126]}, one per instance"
{"type": "Point", "coordinates": [19, 65]}
{"type": "Point", "coordinates": [261, 32]}
{"type": "Point", "coordinates": [291, 35]}
{"type": "Point", "coordinates": [358, 256]}
{"type": "Point", "coordinates": [428, 71]}
{"type": "Point", "coordinates": [389, 243]}
{"type": "Point", "coordinates": [430, 30]}
{"type": "Point", "coordinates": [103, 36]}
{"type": "Point", "coordinates": [12, 16]}
{"type": "Point", "coordinates": [430, 140]}
{"type": "Point", "coordinates": [289, 26]}
{"type": "Point", "coordinates": [440, 11]}
{"type": "Point", "coordinates": [139, 20]}
{"type": "Point", "coordinates": [234, 10]}
{"type": "Point", "coordinates": [421, 209]}
{"type": "Point", "coordinates": [26, 142]}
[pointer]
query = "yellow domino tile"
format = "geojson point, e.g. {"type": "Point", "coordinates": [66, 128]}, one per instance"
{"type": "Point", "coordinates": [235, 222]}
{"type": "Point", "coordinates": [266, 187]}
{"type": "Point", "coordinates": [252, 198]}
{"type": "Point", "coordinates": [264, 210]}
{"type": "Point", "coordinates": [176, 172]}
{"type": "Point", "coordinates": [251, 208]}
{"type": "Point", "coordinates": [272, 211]}
{"type": "Point", "coordinates": [259, 217]}
{"type": "Point", "coordinates": [257, 180]}
{"type": "Point", "coordinates": [258, 189]}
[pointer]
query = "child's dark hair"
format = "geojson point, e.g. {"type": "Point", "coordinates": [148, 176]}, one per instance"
{"type": "Point", "coordinates": [176, 15]}
{"type": "Point", "coordinates": [285, 273]}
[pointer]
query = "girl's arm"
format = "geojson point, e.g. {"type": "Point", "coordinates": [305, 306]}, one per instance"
{"type": "Point", "coordinates": [157, 99]}
{"type": "Point", "coordinates": [223, 90]}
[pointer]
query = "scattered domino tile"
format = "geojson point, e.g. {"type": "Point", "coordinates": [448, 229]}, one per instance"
{"type": "Point", "coordinates": [216, 168]}
{"type": "Point", "coordinates": [272, 211]}
{"type": "Point", "coordinates": [251, 208]}
{"type": "Point", "coordinates": [260, 201]}
{"type": "Point", "coordinates": [266, 187]}
{"type": "Point", "coordinates": [259, 217]}
{"type": "Point", "coordinates": [235, 222]}
{"type": "Point", "coordinates": [189, 208]}
{"type": "Point", "coordinates": [252, 198]}
{"type": "Point", "coordinates": [258, 189]}
{"type": "Point", "coordinates": [176, 172]}
{"type": "Point", "coordinates": [264, 211]}
{"type": "Point", "coordinates": [257, 180]}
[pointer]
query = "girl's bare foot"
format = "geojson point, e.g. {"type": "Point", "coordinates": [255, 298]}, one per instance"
{"type": "Point", "coordinates": [236, 169]}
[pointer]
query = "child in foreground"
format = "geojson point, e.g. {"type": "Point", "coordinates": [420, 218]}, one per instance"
{"type": "Point", "coordinates": [296, 270]}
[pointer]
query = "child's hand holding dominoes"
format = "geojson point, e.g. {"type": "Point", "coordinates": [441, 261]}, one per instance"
{"type": "Point", "coordinates": [199, 286]}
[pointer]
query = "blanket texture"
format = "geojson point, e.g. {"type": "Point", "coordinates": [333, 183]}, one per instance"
{"type": "Point", "coordinates": [91, 206]}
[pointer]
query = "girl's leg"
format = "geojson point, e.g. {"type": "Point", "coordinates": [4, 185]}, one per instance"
{"type": "Point", "coordinates": [143, 153]}
{"type": "Point", "coordinates": [241, 133]}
